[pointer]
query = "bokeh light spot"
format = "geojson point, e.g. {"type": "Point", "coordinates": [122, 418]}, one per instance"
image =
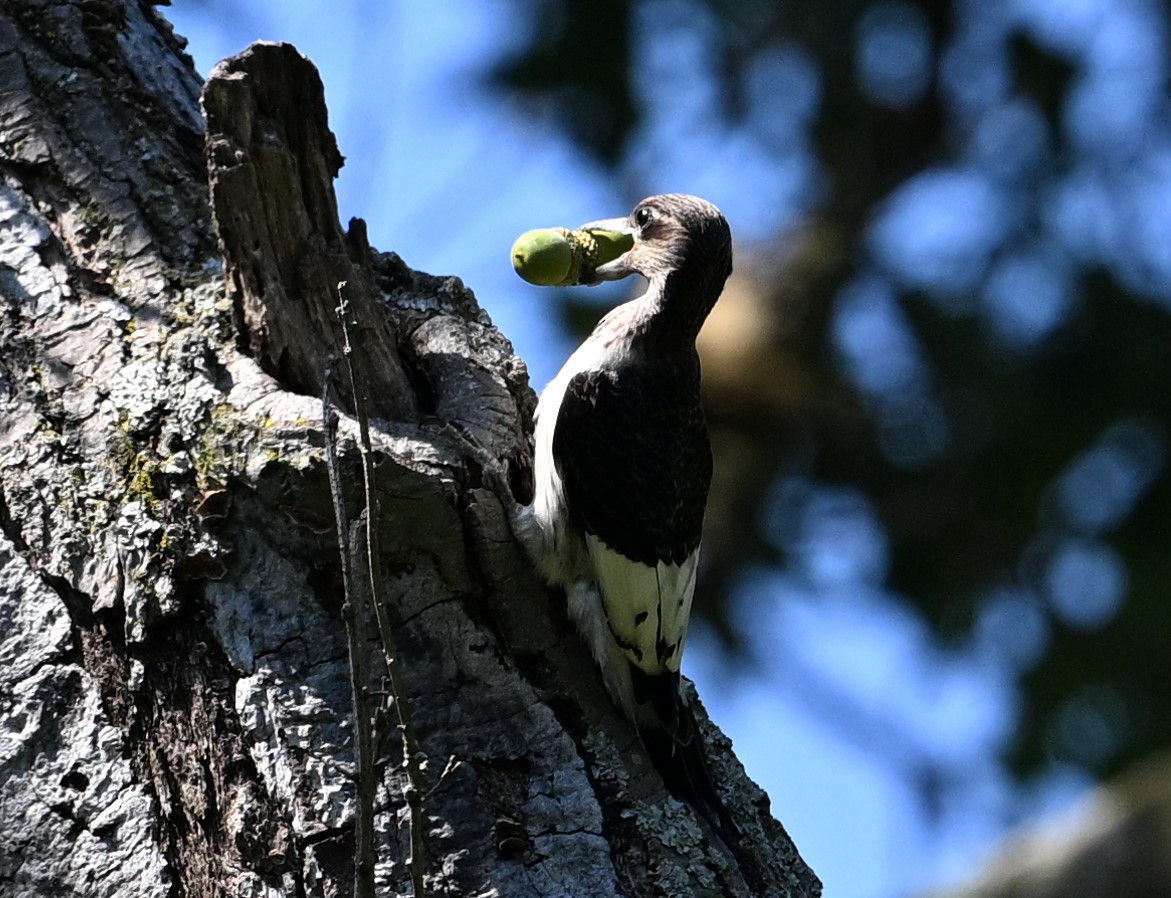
{"type": "Point", "coordinates": [893, 54]}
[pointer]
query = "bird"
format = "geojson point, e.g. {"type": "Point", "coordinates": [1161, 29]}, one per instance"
{"type": "Point", "coordinates": [623, 461]}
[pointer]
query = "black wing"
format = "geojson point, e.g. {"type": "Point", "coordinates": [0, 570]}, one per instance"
{"type": "Point", "coordinates": [633, 451]}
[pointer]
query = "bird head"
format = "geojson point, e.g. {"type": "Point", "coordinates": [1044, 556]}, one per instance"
{"type": "Point", "coordinates": [672, 232]}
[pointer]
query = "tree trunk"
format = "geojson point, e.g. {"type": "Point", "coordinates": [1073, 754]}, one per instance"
{"type": "Point", "coordinates": [175, 677]}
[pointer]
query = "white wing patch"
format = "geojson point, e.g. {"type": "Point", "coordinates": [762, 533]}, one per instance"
{"type": "Point", "coordinates": [559, 554]}
{"type": "Point", "coordinates": [647, 608]}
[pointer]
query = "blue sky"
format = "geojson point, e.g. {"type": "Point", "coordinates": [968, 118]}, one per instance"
{"type": "Point", "coordinates": [447, 174]}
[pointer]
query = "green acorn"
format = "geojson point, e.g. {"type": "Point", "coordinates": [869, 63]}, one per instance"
{"type": "Point", "coordinates": [559, 257]}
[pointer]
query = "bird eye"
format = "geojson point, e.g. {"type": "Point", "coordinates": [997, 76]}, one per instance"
{"type": "Point", "coordinates": [644, 216]}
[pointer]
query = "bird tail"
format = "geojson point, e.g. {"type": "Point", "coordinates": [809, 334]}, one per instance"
{"type": "Point", "coordinates": [670, 732]}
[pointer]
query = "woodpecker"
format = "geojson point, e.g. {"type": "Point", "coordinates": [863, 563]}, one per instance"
{"type": "Point", "coordinates": [623, 461]}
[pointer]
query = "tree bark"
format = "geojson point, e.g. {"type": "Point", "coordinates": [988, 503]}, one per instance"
{"type": "Point", "coordinates": [175, 702]}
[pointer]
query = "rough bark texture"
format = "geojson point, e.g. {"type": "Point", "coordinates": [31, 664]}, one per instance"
{"type": "Point", "coordinates": [174, 697]}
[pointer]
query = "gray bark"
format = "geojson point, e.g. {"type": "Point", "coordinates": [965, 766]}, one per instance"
{"type": "Point", "coordinates": [175, 708]}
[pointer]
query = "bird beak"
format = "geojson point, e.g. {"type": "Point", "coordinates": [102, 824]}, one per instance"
{"type": "Point", "coordinates": [618, 268]}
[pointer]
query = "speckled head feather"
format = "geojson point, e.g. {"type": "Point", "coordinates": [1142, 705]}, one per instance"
{"type": "Point", "coordinates": [683, 246]}
{"type": "Point", "coordinates": [671, 231]}
{"type": "Point", "coordinates": [675, 232]}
